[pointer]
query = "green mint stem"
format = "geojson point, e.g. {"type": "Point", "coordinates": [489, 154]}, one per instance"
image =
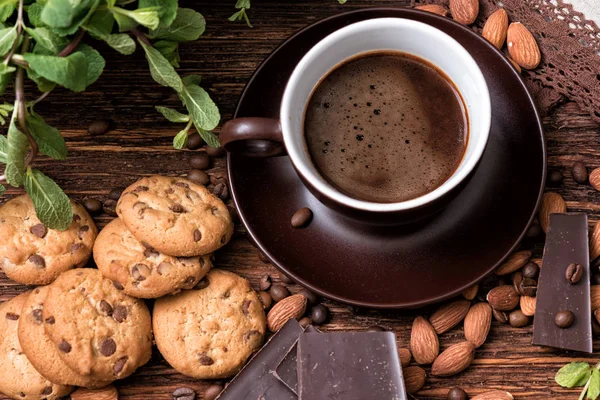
{"type": "Point", "coordinates": [22, 107]}
{"type": "Point", "coordinates": [188, 126]}
{"type": "Point", "coordinates": [19, 25]}
{"type": "Point", "coordinates": [587, 385]}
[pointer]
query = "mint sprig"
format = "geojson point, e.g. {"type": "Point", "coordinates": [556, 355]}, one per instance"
{"type": "Point", "coordinates": [578, 374]}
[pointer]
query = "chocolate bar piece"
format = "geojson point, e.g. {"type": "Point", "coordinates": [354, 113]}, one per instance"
{"type": "Point", "coordinates": [257, 380]}
{"type": "Point", "coordinates": [566, 243]}
{"type": "Point", "coordinates": [349, 366]}
{"type": "Point", "coordinates": [287, 371]}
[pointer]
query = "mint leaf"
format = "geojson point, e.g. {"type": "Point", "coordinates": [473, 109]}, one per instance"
{"type": "Point", "coordinates": [70, 72]}
{"type": "Point", "coordinates": [121, 42]}
{"type": "Point", "coordinates": [169, 50]}
{"type": "Point", "coordinates": [210, 138]}
{"type": "Point", "coordinates": [242, 4]}
{"type": "Point", "coordinates": [7, 39]}
{"type": "Point", "coordinates": [16, 150]}
{"type": "Point", "coordinates": [192, 80]}
{"type": "Point", "coordinates": [5, 109]}
{"type": "Point", "coordinates": [7, 8]}
{"type": "Point", "coordinates": [168, 10]}
{"type": "Point", "coordinates": [43, 84]}
{"type": "Point", "coordinates": [3, 149]}
{"type": "Point", "coordinates": [47, 39]}
{"type": "Point", "coordinates": [573, 374]}
{"type": "Point", "coordinates": [52, 206]}
{"type": "Point", "coordinates": [65, 16]}
{"type": "Point", "coordinates": [100, 24]}
{"type": "Point", "coordinates": [147, 17]}
{"type": "Point", "coordinates": [125, 23]}
{"type": "Point", "coordinates": [187, 26]}
{"type": "Point", "coordinates": [95, 63]}
{"type": "Point", "coordinates": [241, 16]}
{"type": "Point", "coordinates": [48, 138]}
{"type": "Point", "coordinates": [6, 75]}
{"type": "Point", "coordinates": [34, 13]}
{"type": "Point", "coordinates": [2, 189]}
{"type": "Point", "coordinates": [202, 109]}
{"type": "Point", "coordinates": [594, 389]}
{"type": "Point", "coordinates": [172, 115]}
{"type": "Point", "coordinates": [180, 140]}
{"type": "Point", "coordinates": [161, 70]}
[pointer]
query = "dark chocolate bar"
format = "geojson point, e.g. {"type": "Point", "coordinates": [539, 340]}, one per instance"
{"type": "Point", "coordinates": [349, 366]}
{"type": "Point", "coordinates": [566, 243]}
{"type": "Point", "coordinates": [287, 371]}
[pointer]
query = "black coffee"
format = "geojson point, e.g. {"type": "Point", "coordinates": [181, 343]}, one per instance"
{"type": "Point", "coordinates": [386, 127]}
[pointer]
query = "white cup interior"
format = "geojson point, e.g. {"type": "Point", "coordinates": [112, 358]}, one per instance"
{"type": "Point", "coordinates": [392, 34]}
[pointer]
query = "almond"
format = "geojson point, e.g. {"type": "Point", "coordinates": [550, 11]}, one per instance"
{"type": "Point", "coordinates": [527, 305]}
{"type": "Point", "coordinates": [494, 395]}
{"type": "Point", "coordinates": [288, 308]}
{"type": "Point", "coordinates": [464, 11]}
{"type": "Point", "coordinates": [496, 27]}
{"type": "Point", "coordinates": [595, 296]}
{"type": "Point", "coordinates": [503, 298]}
{"type": "Point", "coordinates": [405, 357]}
{"type": "Point", "coordinates": [478, 323]}
{"type": "Point", "coordinates": [514, 262]}
{"type": "Point", "coordinates": [106, 393]}
{"type": "Point", "coordinates": [434, 8]}
{"type": "Point", "coordinates": [454, 359]}
{"type": "Point", "coordinates": [522, 46]}
{"type": "Point", "coordinates": [449, 315]}
{"type": "Point", "coordinates": [551, 203]}
{"type": "Point", "coordinates": [424, 343]}
{"type": "Point", "coordinates": [514, 64]}
{"type": "Point", "coordinates": [595, 179]}
{"type": "Point", "coordinates": [471, 292]}
{"type": "Point", "coordinates": [595, 242]}
{"type": "Point", "coordinates": [414, 379]}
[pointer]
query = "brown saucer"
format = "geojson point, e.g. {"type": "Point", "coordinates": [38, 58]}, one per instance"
{"type": "Point", "coordinates": [398, 267]}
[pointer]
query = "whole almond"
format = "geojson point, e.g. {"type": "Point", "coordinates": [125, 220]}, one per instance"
{"type": "Point", "coordinates": [454, 359]}
{"type": "Point", "coordinates": [106, 393]}
{"type": "Point", "coordinates": [288, 308]}
{"type": "Point", "coordinates": [503, 298]}
{"type": "Point", "coordinates": [414, 379]}
{"type": "Point", "coordinates": [449, 315]}
{"type": "Point", "coordinates": [424, 343]}
{"type": "Point", "coordinates": [522, 46]}
{"type": "Point", "coordinates": [527, 305]}
{"type": "Point", "coordinates": [478, 323]}
{"type": "Point", "coordinates": [551, 203]}
{"type": "Point", "coordinates": [434, 8]}
{"type": "Point", "coordinates": [594, 179]}
{"type": "Point", "coordinates": [470, 292]}
{"type": "Point", "coordinates": [514, 262]}
{"type": "Point", "coordinates": [464, 11]}
{"type": "Point", "coordinates": [595, 242]}
{"type": "Point", "coordinates": [494, 395]}
{"type": "Point", "coordinates": [405, 356]}
{"type": "Point", "coordinates": [496, 27]}
{"type": "Point", "coordinates": [514, 64]}
{"type": "Point", "coordinates": [595, 296]}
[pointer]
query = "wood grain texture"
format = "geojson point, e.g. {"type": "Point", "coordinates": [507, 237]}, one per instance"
{"type": "Point", "coordinates": [226, 56]}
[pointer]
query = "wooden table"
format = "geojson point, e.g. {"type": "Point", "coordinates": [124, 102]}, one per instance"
{"type": "Point", "coordinates": [226, 56]}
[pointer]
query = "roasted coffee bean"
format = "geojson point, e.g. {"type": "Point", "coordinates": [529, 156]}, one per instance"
{"type": "Point", "coordinates": [518, 319]}
{"type": "Point", "coordinates": [564, 319]}
{"type": "Point", "coordinates": [194, 141]}
{"type": "Point", "coordinates": [456, 393]}
{"type": "Point", "coordinates": [265, 299]}
{"type": "Point", "coordinates": [200, 161]}
{"type": "Point", "coordinates": [311, 298]}
{"type": "Point", "coordinates": [580, 173]}
{"type": "Point", "coordinates": [304, 322]}
{"type": "Point", "coordinates": [199, 177]}
{"type": "Point", "coordinates": [574, 273]}
{"type": "Point", "coordinates": [219, 176]}
{"type": "Point", "coordinates": [375, 328]}
{"type": "Point", "coordinates": [517, 279]}
{"type": "Point", "coordinates": [528, 287]}
{"type": "Point", "coordinates": [221, 191]}
{"type": "Point", "coordinates": [302, 217]}
{"type": "Point", "coordinates": [531, 270]}
{"type": "Point", "coordinates": [534, 231]}
{"type": "Point", "coordinates": [555, 177]}
{"type": "Point", "coordinates": [99, 127]}
{"type": "Point", "coordinates": [319, 314]}
{"type": "Point", "coordinates": [212, 392]}
{"type": "Point", "coordinates": [115, 193]}
{"type": "Point", "coordinates": [215, 151]}
{"type": "Point", "coordinates": [265, 283]}
{"type": "Point", "coordinates": [39, 230]}
{"type": "Point", "coordinates": [278, 293]}
{"type": "Point", "coordinates": [184, 393]}
{"type": "Point", "coordinates": [110, 207]}
{"type": "Point", "coordinates": [500, 316]}
{"type": "Point", "coordinates": [93, 206]}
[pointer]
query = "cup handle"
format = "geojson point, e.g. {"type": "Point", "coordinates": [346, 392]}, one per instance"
{"type": "Point", "coordinates": [253, 137]}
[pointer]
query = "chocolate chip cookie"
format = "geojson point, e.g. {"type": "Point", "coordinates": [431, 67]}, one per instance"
{"type": "Point", "coordinates": [98, 330]}
{"type": "Point", "coordinates": [38, 348]}
{"type": "Point", "coordinates": [175, 216]}
{"type": "Point", "coordinates": [18, 378]}
{"type": "Point", "coordinates": [141, 270]}
{"type": "Point", "coordinates": [32, 254]}
{"type": "Point", "coordinates": [209, 332]}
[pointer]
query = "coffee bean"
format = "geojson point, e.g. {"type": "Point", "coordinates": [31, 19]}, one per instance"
{"type": "Point", "coordinates": [64, 346]}
{"type": "Point", "coordinates": [319, 314]}
{"type": "Point", "coordinates": [555, 177]}
{"type": "Point", "coordinates": [265, 283]}
{"type": "Point", "coordinates": [528, 287]}
{"type": "Point", "coordinates": [375, 328]}
{"type": "Point", "coordinates": [39, 230]}
{"type": "Point", "coordinates": [219, 176]}
{"type": "Point", "coordinates": [278, 292]}
{"type": "Point", "coordinates": [215, 151]}
{"type": "Point", "coordinates": [564, 319]}
{"type": "Point", "coordinates": [580, 173]}
{"type": "Point", "coordinates": [500, 316]}
{"type": "Point", "coordinates": [99, 127]}
{"type": "Point", "coordinates": [110, 207]}
{"type": "Point", "coordinates": [115, 193]}
{"type": "Point", "coordinates": [456, 393]}
{"type": "Point", "coordinates": [184, 393]}
{"type": "Point", "coordinates": [37, 260]}
{"type": "Point", "coordinates": [518, 319]}
{"type": "Point", "coordinates": [304, 322]}
{"type": "Point", "coordinates": [200, 161]}
{"type": "Point", "coordinates": [302, 217]}
{"type": "Point", "coordinates": [265, 299]}
{"type": "Point", "coordinates": [531, 270]}
{"type": "Point", "coordinates": [120, 313]}
{"type": "Point", "coordinates": [203, 359]}
{"type": "Point", "coordinates": [311, 298]}
{"type": "Point", "coordinates": [517, 279]}
{"type": "Point", "coordinates": [194, 141]}
{"type": "Point", "coordinates": [108, 347]}
{"type": "Point", "coordinates": [285, 279]}
{"type": "Point", "coordinates": [221, 191]}
{"type": "Point", "coordinates": [212, 392]}
{"type": "Point", "coordinates": [534, 231]}
{"type": "Point", "coordinates": [574, 273]}
{"type": "Point", "coordinates": [199, 177]}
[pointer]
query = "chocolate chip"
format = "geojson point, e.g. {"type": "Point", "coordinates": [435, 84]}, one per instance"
{"type": "Point", "coordinates": [107, 347]}
{"type": "Point", "coordinates": [311, 298]}
{"type": "Point", "coordinates": [182, 184]}
{"type": "Point", "coordinates": [564, 319]}
{"type": "Point", "coordinates": [82, 231]}
{"type": "Point", "coordinates": [254, 338]}
{"type": "Point", "coordinates": [141, 189]}
{"type": "Point", "coordinates": [204, 282]}
{"type": "Point", "coordinates": [197, 235]}
{"type": "Point", "coordinates": [212, 392]}
{"type": "Point", "coordinates": [64, 346]}
{"type": "Point", "coordinates": [12, 316]}
{"type": "Point", "coordinates": [246, 307]}
{"type": "Point", "coordinates": [221, 191]}
{"type": "Point", "coordinates": [579, 172]}
{"type": "Point", "coordinates": [265, 283]}
{"type": "Point", "coordinates": [184, 393]}
{"type": "Point", "coordinates": [120, 364]}
{"type": "Point", "coordinates": [319, 314]}
{"type": "Point", "coordinates": [530, 270]}
{"type": "Point", "coordinates": [194, 141]}
{"type": "Point", "coordinates": [50, 320]}
{"type": "Point", "coordinates": [517, 319]}
{"type": "Point", "coordinates": [200, 161]}
{"type": "Point", "coordinates": [115, 193]}
{"type": "Point", "coordinates": [120, 313]}
{"type": "Point", "coordinates": [301, 218]}
{"type": "Point", "coordinates": [139, 272]}
{"type": "Point", "coordinates": [37, 260]}
{"type": "Point", "coordinates": [37, 316]}
{"type": "Point", "coordinates": [304, 322]}
{"type": "Point", "coordinates": [456, 393]}
{"type": "Point", "coordinates": [110, 207]}
{"type": "Point", "coordinates": [39, 230]}
{"type": "Point", "coordinates": [226, 294]}
{"type": "Point", "coordinates": [76, 218]}
{"type": "Point", "coordinates": [574, 273]}
{"type": "Point", "coordinates": [117, 285]}
{"type": "Point", "coordinates": [99, 127]}
{"type": "Point", "coordinates": [278, 292]}
{"type": "Point", "coordinates": [93, 206]}
{"type": "Point", "coordinates": [555, 177]}
{"type": "Point", "coordinates": [205, 360]}
{"type": "Point", "coordinates": [198, 176]}
{"type": "Point", "coordinates": [75, 247]}
{"type": "Point", "coordinates": [106, 308]}
{"type": "Point", "coordinates": [47, 391]}
{"type": "Point", "coordinates": [177, 208]}
{"type": "Point", "coordinates": [215, 151]}
{"type": "Point", "coordinates": [265, 299]}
